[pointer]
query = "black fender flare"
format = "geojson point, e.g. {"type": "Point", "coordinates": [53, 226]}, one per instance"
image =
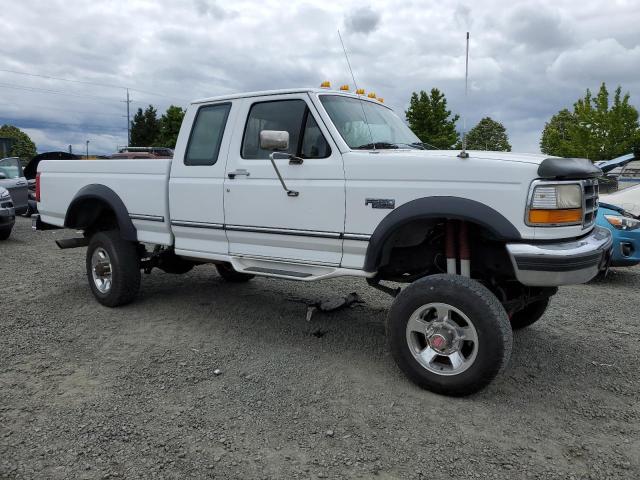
{"type": "Point", "coordinates": [455, 208]}
{"type": "Point", "coordinates": [76, 217]}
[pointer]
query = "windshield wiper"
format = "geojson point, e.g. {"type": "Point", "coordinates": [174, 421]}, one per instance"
{"type": "Point", "coordinates": [372, 146]}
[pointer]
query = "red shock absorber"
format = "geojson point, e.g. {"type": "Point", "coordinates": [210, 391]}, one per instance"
{"type": "Point", "coordinates": [465, 251]}
{"type": "Point", "coordinates": [450, 246]}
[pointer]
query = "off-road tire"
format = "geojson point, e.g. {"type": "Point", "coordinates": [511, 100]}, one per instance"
{"type": "Point", "coordinates": [489, 318]}
{"type": "Point", "coordinates": [226, 271]}
{"type": "Point", "coordinates": [125, 268]}
{"type": "Point", "coordinates": [5, 233]}
{"type": "Point", "coordinates": [529, 314]}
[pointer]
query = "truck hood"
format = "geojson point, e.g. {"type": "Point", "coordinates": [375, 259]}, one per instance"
{"type": "Point", "coordinates": [557, 168]}
{"type": "Point", "coordinates": [532, 158]}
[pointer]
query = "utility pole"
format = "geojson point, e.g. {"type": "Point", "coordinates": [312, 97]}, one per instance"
{"type": "Point", "coordinates": [128, 120]}
{"type": "Point", "coordinates": [87, 149]}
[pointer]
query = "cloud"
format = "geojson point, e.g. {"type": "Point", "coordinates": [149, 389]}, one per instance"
{"type": "Point", "coordinates": [362, 20]}
{"type": "Point", "coordinates": [526, 61]}
{"type": "Point", "coordinates": [462, 15]}
{"type": "Point", "coordinates": [596, 61]}
{"type": "Point", "coordinates": [537, 28]}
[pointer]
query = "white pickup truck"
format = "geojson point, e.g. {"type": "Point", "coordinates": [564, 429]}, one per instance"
{"type": "Point", "coordinates": [309, 184]}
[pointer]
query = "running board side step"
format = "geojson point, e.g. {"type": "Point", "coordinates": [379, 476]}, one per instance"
{"type": "Point", "coordinates": [291, 271]}
{"type": "Point", "coordinates": [72, 242]}
{"type": "Point", "coordinates": [275, 271]}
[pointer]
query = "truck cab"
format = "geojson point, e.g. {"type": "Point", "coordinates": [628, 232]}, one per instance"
{"type": "Point", "coordinates": [307, 184]}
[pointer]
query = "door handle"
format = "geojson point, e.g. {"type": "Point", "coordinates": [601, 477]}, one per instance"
{"type": "Point", "coordinates": [21, 183]}
{"type": "Point", "coordinates": [236, 173]}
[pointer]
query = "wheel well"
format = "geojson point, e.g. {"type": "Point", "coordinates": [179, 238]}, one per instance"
{"type": "Point", "coordinates": [97, 207]}
{"type": "Point", "coordinates": [91, 215]}
{"type": "Point", "coordinates": [417, 248]}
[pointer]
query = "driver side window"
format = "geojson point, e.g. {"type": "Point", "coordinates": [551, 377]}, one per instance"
{"type": "Point", "coordinates": [293, 116]}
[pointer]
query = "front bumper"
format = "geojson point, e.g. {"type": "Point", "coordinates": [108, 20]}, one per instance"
{"type": "Point", "coordinates": [563, 263]}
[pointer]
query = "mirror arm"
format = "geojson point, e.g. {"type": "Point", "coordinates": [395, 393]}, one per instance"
{"type": "Point", "coordinates": [291, 193]}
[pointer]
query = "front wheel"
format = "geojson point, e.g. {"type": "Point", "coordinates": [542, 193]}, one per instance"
{"type": "Point", "coordinates": [113, 268]}
{"type": "Point", "coordinates": [449, 334]}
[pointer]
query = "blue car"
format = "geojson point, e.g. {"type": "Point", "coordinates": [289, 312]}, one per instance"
{"type": "Point", "coordinates": [625, 229]}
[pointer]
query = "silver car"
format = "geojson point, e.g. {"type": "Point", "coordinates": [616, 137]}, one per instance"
{"type": "Point", "coordinates": [12, 178]}
{"type": "Point", "coordinates": [7, 214]}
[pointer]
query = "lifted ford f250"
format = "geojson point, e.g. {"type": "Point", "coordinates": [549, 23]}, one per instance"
{"type": "Point", "coordinates": [310, 184]}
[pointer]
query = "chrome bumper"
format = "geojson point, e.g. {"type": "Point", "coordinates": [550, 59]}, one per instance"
{"type": "Point", "coordinates": [564, 263]}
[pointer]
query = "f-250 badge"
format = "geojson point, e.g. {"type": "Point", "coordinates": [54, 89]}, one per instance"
{"type": "Point", "coordinates": [388, 203]}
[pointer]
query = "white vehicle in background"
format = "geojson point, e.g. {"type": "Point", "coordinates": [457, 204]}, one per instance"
{"type": "Point", "coordinates": [628, 199]}
{"type": "Point", "coordinates": [309, 184]}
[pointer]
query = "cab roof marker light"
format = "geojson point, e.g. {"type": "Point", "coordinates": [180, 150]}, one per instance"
{"type": "Point", "coordinates": [381, 100]}
{"type": "Point", "coordinates": [372, 95]}
{"type": "Point", "coordinates": [344, 88]}
{"type": "Point", "coordinates": [360, 91]}
{"type": "Point", "coordinates": [325, 84]}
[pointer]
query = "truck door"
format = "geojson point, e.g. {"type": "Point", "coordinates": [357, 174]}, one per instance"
{"type": "Point", "coordinates": [261, 220]}
{"type": "Point", "coordinates": [197, 179]}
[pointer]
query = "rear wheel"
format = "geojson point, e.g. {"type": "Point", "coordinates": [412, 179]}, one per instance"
{"type": "Point", "coordinates": [5, 233]}
{"type": "Point", "coordinates": [113, 268]}
{"type": "Point", "coordinates": [529, 314]}
{"type": "Point", "coordinates": [226, 271]}
{"type": "Point", "coordinates": [449, 334]}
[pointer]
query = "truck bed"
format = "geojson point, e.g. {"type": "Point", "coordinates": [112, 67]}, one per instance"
{"type": "Point", "coordinates": [141, 184]}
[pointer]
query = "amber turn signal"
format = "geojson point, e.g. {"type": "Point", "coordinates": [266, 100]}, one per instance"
{"type": "Point", "coordinates": [570, 215]}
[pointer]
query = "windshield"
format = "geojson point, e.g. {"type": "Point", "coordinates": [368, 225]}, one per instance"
{"type": "Point", "coordinates": [384, 129]}
{"type": "Point", "coordinates": [10, 167]}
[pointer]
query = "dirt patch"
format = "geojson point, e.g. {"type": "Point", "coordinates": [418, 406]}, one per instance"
{"type": "Point", "coordinates": [91, 392]}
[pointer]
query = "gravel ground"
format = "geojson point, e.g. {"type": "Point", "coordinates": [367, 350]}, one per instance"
{"type": "Point", "coordinates": [92, 392]}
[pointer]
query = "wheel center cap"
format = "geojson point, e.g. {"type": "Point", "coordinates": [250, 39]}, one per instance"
{"type": "Point", "coordinates": [438, 342]}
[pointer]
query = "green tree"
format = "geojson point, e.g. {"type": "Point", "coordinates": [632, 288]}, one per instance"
{"type": "Point", "coordinates": [23, 146]}
{"type": "Point", "coordinates": [557, 136]}
{"type": "Point", "coordinates": [430, 120]}
{"type": "Point", "coordinates": [145, 127]}
{"type": "Point", "coordinates": [170, 126]}
{"type": "Point", "coordinates": [596, 129]}
{"type": "Point", "coordinates": [488, 135]}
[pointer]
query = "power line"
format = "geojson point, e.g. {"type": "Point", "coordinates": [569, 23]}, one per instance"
{"type": "Point", "coordinates": [86, 82]}
{"type": "Point", "coordinates": [55, 92]}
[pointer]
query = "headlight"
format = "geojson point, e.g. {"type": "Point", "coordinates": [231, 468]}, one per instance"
{"type": "Point", "coordinates": [4, 194]}
{"type": "Point", "coordinates": [559, 204]}
{"type": "Point", "coordinates": [623, 223]}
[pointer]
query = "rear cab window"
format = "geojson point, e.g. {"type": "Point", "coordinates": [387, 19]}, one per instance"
{"type": "Point", "coordinates": [206, 135]}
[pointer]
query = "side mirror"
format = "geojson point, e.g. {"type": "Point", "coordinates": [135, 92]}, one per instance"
{"type": "Point", "coordinates": [2, 176]}
{"type": "Point", "coordinates": [274, 140]}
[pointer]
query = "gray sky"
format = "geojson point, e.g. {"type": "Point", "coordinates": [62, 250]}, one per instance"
{"type": "Point", "coordinates": [527, 60]}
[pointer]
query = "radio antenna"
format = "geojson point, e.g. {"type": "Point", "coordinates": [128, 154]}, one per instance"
{"type": "Point", "coordinates": [463, 153]}
{"type": "Point", "coordinates": [364, 114]}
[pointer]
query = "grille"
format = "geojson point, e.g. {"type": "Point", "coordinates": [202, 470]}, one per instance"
{"type": "Point", "coordinates": [590, 207]}
{"type": "Point", "coordinates": [6, 205]}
